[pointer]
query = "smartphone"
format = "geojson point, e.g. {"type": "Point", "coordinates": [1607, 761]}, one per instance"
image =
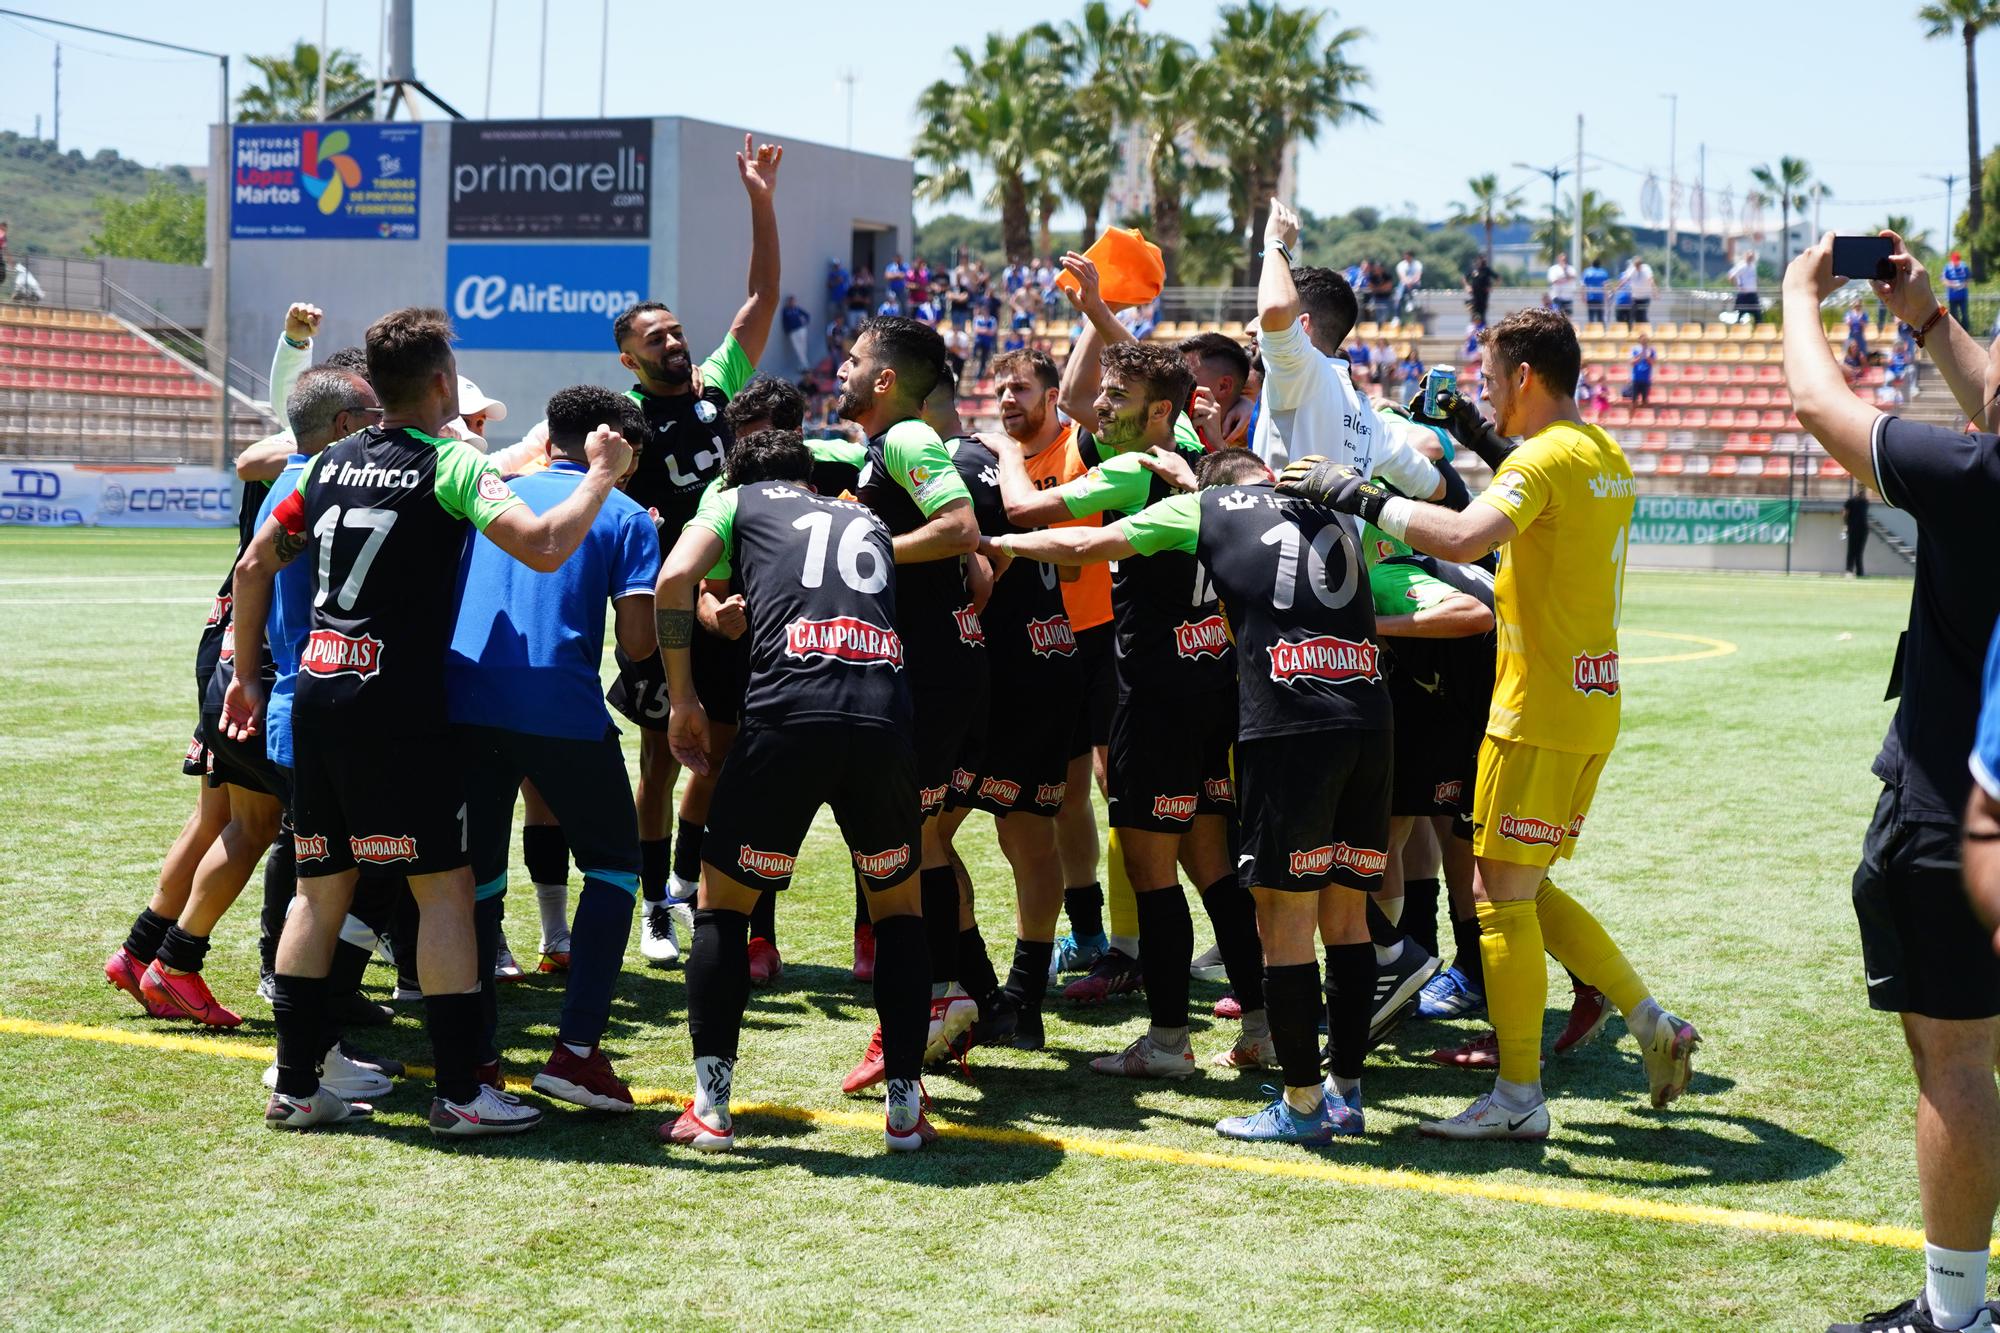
{"type": "Point", "coordinates": [1863, 257]}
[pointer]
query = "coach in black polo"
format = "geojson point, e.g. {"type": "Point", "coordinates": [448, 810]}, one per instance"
{"type": "Point", "coordinates": [1925, 955]}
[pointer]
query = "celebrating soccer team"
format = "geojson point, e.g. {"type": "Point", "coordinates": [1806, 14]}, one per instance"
{"type": "Point", "coordinates": [1305, 691]}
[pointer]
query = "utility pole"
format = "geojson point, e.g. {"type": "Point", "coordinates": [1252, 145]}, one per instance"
{"type": "Point", "coordinates": [492, 40]}
{"type": "Point", "coordinates": [1555, 175]}
{"type": "Point", "coordinates": [604, 59]}
{"type": "Point", "coordinates": [1701, 218]}
{"type": "Point", "coordinates": [1576, 236]}
{"type": "Point", "coordinates": [1950, 179]}
{"type": "Point", "coordinates": [58, 123]}
{"type": "Point", "coordinates": [1673, 182]}
{"type": "Point", "coordinates": [319, 97]}
{"type": "Point", "coordinates": [850, 78]}
{"type": "Point", "coordinates": [542, 80]}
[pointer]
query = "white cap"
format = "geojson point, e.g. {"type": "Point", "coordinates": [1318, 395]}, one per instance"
{"type": "Point", "coordinates": [471, 402]}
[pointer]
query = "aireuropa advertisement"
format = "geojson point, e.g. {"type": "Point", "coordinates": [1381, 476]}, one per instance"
{"type": "Point", "coordinates": [541, 298]}
{"type": "Point", "coordinates": [322, 182]}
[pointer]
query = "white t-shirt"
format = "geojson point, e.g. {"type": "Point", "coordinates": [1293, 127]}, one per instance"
{"type": "Point", "coordinates": [1310, 407]}
{"type": "Point", "coordinates": [1744, 275]}
{"type": "Point", "coordinates": [1639, 278]}
{"type": "Point", "coordinates": [1410, 272]}
{"type": "Point", "coordinates": [1563, 282]}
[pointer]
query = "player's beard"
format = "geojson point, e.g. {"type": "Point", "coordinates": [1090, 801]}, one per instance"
{"type": "Point", "coordinates": [856, 397]}
{"type": "Point", "coordinates": [1029, 424]}
{"type": "Point", "coordinates": [1123, 430]}
{"type": "Point", "coordinates": [673, 372]}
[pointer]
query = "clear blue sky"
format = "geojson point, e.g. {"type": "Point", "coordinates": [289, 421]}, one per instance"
{"type": "Point", "coordinates": [1460, 88]}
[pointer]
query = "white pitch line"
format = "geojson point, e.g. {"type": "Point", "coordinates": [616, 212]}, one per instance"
{"type": "Point", "coordinates": [104, 578]}
{"type": "Point", "coordinates": [107, 601]}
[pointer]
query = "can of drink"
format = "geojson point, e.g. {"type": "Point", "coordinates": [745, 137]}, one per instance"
{"type": "Point", "coordinates": [1440, 388]}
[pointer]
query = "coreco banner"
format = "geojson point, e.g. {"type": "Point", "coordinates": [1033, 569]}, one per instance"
{"type": "Point", "coordinates": [56, 495]}
{"type": "Point", "coordinates": [1712, 520]}
{"type": "Point", "coordinates": [553, 178]}
{"type": "Point", "coordinates": [541, 298]}
{"type": "Point", "coordinates": [325, 181]}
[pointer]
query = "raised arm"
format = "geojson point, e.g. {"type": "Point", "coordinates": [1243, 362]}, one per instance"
{"type": "Point", "coordinates": [759, 170]}
{"type": "Point", "coordinates": [292, 355]}
{"type": "Point", "coordinates": [543, 541]}
{"type": "Point", "coordinates": [1083, 371]}
{"type": "Point", "coordinates": [1277, 294]}
{"type": "Point", "coordinates": [1826, 407]}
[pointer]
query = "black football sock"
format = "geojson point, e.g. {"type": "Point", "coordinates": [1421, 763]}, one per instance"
{"type": "Point", "coordinates": [1232, 913]}
{"type": "Point", "coordinates": [903, 971]}
{"type": "Point", "coordinates": [1465, 943]}
{"type": "Point", "coordinates": [1384, 933]}
{"type": "Point", "coordinates": [1084, 905]}
{"type": "Point", "coordinates": [181, 951]}
{"type": "Point", "coordinates": [1293, 997]}
{"type": "Point", "coordinates": [298, 1006]}
{"type": "Point", "coordinates": [975, 969]}
{"type": "Point", "coordinates": [597, 939]}
{"type": "Point", "coordinates": [149, 928]}
{"type": "Point", "coordinates": [1350, 1005]}
{"type": "Point", "coordinates": [1168, 930]}
{"type": "Point", "coordinates": [718, 981]}
{"type": "Point", "coordinates": [687, 853]}
{"type": "Point", "coordinates": [939, 889]}
{"type": "Point", "coordinates": [764, 917]}
{"type": "Point", "coordinates": [1420, 912]}
{"type": "Point", "coordinates": [545, 852]}
{"type": "Point", "coordinates": [655, 858]}
{"type": "Point", "coordinates": [454, 1022]}
{"type": "Point", "coordinates": [1028, 978]}
{"type": "Point", "coordinates": [280, 884]}
{"type": "Point", "coordinates": [487, 914]}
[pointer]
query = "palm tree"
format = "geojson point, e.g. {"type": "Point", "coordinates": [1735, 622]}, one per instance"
{"type": "Point", "coordinates": [1918, 240]}
{"type": "Point", "coordinates": [1176, 94]}
{"type": "Point", "coordinates": [1790, 186]}
{"type": "Point", "coordinates": [1490, 208]}
{"type": "Point", "coordinates": [1002, 115]}
{"type": "Point", "coordinates": [1604, 229]}
{"type": "Point", "coordinates": [1097, 53]}
{"type": "Point", "coordinates": [1966, 19]}
{"type": "Point", "coordinates": [1283, 79]}
{"type": "Point", "coordinates": [290, 89]}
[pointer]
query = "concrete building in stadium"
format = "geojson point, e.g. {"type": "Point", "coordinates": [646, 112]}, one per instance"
{"type": "Point", "coordinates": [533, 235]}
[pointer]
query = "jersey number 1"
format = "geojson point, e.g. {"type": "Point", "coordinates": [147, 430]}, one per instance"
{"type": "Point", "coordinates": [854, 550]}
{"type": "Point", "coordinates": [378, 522]}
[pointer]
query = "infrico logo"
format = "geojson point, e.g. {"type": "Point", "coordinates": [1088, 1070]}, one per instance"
{"type": "Point", "coordinates": [542, 297]}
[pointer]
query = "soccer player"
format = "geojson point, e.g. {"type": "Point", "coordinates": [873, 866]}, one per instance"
{"type": "Point", "coordinates": [1312, 761]}
{"type": "Point", "coordinates": [377, 780]}
{"type": "Point", "coordinates": [522, 676]}
{"type": "Point", "coordinates": [908, 480]}
{"type": "Point", "coordinates": [1171, 793]}
{"type": "Point", "coordinates": [1560, 506]}
{"type": "Point", "coordinates": [826, 721]}
{"type": "Point", "coordinates": [684, 405]}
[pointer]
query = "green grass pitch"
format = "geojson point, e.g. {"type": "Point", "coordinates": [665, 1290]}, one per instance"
{"type": "Point", "coordinates": [138, 1187]}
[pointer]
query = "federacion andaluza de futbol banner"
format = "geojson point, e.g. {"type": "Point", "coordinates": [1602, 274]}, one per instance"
{"type": "Point", "coordinates": [1712, 520]}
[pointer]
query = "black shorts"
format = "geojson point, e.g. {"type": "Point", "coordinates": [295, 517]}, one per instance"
{"type": "Point", "coordinates": [1023, 750]}
{"type": "Point", "coordinates": [1315, 810]}
{"type": "Point", "coordinates": [1922, 949]}
{"type": "Point", "coordinates": [777, 777]}
{"type": "Point", "coordinates": [1169, 760]}
{"type": "Point", "coordinates": [584, 783]}
{"type": "Point", "coordinates": [721, 669]}
{"type": "Point", "coordinates": [240, 763]}
{"type": "Point", "coordinates": [1436, 756]}
{"type": "Point", "coordinates": [196, 763]}
{"type": "Point", "coordinates": [1097, 690]}
{"type": "Point", "coordinates": [948, 720]}
{"type": "Point", "coordinates": [377, 799]}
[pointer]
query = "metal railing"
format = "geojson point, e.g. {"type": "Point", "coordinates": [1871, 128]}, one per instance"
{"type": "Point", "coordinates": [250, 386]}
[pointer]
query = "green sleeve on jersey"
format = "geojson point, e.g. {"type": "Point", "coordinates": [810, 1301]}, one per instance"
{"type": "Point", "coordinates": [306, 472]}
{"type": "Point", "coordinates": [915, 455]}
{"type": "Point", "coordinates": [728, 367]}
{"type": "Point", "coordinates": [1174, 524]}
{"type": "Point", "coordinates": [468, 485]}
{"type": "Point", "coordinates": [1119, 482]}
{"type": "Point", "coordinates": [1186, 437]}
{"type": "Point", "coordinates": [1401, 589]}
{"type": "Point", "coordinates": [838, 451]}
{"type": "Point", "coordinates": [717, 513]}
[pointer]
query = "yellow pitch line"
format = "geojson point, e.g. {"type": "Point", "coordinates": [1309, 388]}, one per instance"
{"type": "Point", "coordinates": [1715, 647]}
{"type": "Point", "coordinates": [1313, 1169]}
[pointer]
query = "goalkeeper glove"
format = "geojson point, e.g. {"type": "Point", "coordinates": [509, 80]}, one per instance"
{"type": "Point", "coordinates": [1335, 485]}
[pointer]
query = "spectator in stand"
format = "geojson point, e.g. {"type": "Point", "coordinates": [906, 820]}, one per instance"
{"type": "Point", "coordinates": [1595, 281]}
{"type": "Point", "coordinates": [1025, 302]}
{"type": "Point", "coordinates": [1409, 280]}
{"type": "Point", "coordinates": [1621, 305]}
{"type": "Point", "coordinates": [1360, 364]}
{"type": "Point", "coordinates": [957, 346]}
{"type": "Point", "coordinates": [1045, 279]}
{"type": "Point", "coordinates": [1411, 369]}
{"type": "Point", "coordinates": [1563, 284]}
{"type": "Point", "coordinates": [1958, 289]}
{"type": "Point", "coordinates": [3, 245]}
{"type": "Point", "coordinates": [1016, 339]}
{"type": "Point", "coordinates": [927, 312]}
{"type": "Point", "coordinates": [1854, 517]}
{"type": "Point", "coordinates": [1382, 291]}
{"type": "Point", "coordinates": [985, 331]}
{"type": "Point", "coordinates": [1855, 364]}
{"type": "Point", "coordinates": [979, 281]}
{"type": "Point", "coordinates": [1857, 325]}
{"type": "Point", "coordinates": [1595, 393]}
{"type": "Point", "coordinates": [889, 306]}
{"type": "Point", "coordinates": [861, 296]}
{"type": "Point", "coordinates": [1015, 276]}
{"type": "Point", "coordinates": [897, 279]}
{"type": "Point", "coordinates": [1643, 355]}
{"type": "Point", "coordinates": [1478, 292]}
{"type": "Point", "coordinates": [1744, 274]}
{"type": "Point", "coordinates": [26, 290]}
{"type": "Point", "coordinates": [1470, 352]}
{"type": "Point", "coordinates": [920, 275]}
{"type": "Point", "coordinates": [1900, 380]}
{"type": "Point", "coordinates": [1356, 274]}
{"type": "Point", "coordinates": [1638, 281]}
{"type": "Point", "coordinates": [837, 285]}
{"type": "Point", "coordinates": [792, 317]}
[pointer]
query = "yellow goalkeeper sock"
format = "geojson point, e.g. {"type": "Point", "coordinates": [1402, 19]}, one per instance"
{"type": "Point", "coordinates": [1581, 945]}
{"type": "Point", "coordinates": [1517, 986]}
{"type": "Point", "coordinates": [1121, 905]}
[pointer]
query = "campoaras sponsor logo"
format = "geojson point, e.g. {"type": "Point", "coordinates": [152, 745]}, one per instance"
{"type": "Point", "coordinates": [931, 798]}
{"type": "Point", "coordinates": [1202, 638]}
{"type": "Point", "coordinates": [1051, 793]}
{"type": "Point", "coordinates": [227, 652]}
{"type": "Point", "coordinates": [1325, 657]}
{"type": "Point", "coordinates": [961, 780]}
{"type": "Point", "coordinates": [765, 865]}
{"type": "Point", "coordinates": [881, 865]}
{"type": "Point", "coordinates": [1219, 789]}
{"type": "Point", "coordinates": [970, 630]}
{"type": "Point", "coordinates": [1052, 637]}
{"type": "Point", "coordinates": [219, 609]}
{"type": "Point", "coordinates": [331, 653]}
{"type": "Point", "coordinates": [1173, 807]}
{"type": "Point", "coordinates": [1000, 791]}
{"type": "Point", "coordinates": [382, 848]}
{"type": "Point", "coordinates": [1365, 861]}
{"type": "Point", "coordinates": [1596, 675]}
{"type": "Point", "coordinates": [1534, 832]}
{"type": "Point", "coordinates": [1449, 792]}
{"type": "Point", "coordinates": [845, 639]}
{"type": "Point", "coordinates": [309, 847]}
{"type": "Point", "coordinates": [1315, 861]}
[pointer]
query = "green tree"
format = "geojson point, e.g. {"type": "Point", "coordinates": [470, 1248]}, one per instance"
{"type": "Point", "coordinates": [1490, 207]}
{"type": "Point", "coordinates": [1001, 114]}
{"type": "Point", "coordinates": [1917, 239]}
{"type": "Point", "coordinates": [1965, 20]}
{"type": "Point", "coordinates": [1790, 186]}
{"type": "Point", "coordinates": [1982, 243]}
{"type": "Point", "coordinates": [1282, 79]}
{"type": "Point", "coordinates": [1099, 54]}
{"type": "Point", "coordinates": [165, 224]}
{"type": "Point", "coordinates": [290, 84]}
{"type": "Point", "coordinates": [1176, 95]}
{"type": "Point", "coordinates": [1604, 229]}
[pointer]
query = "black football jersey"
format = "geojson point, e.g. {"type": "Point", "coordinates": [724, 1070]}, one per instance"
{"type": "Point", "coordinates": [691, 437]}
{"type": "Point", "coordinates": [939, 626]}
{"type": "Point", "coordinates": [1024, 616]}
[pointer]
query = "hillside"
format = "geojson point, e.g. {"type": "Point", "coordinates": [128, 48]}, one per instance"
{"type": "Point", "coordinates": [49, 199]}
